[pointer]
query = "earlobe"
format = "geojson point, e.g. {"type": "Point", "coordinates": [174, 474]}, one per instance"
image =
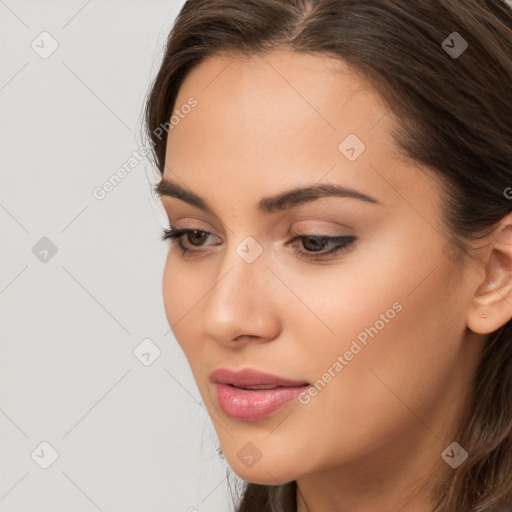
{"type": "Point", "coordinates": [491, 306]}
{"type": "Point", "coordinates": [490, 310]}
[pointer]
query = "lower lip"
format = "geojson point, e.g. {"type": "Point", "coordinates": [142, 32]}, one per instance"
{"type": "Point", "coordinates": [250, 405]}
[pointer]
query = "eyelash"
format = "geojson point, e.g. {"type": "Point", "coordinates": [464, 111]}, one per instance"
{"type": "Point", "coordinates": [344, 244]}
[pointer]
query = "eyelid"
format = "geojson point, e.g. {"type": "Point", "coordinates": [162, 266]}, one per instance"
{"type": "Point", "coordinates": [340, 244]}
{"type": "Point", "coordinates": [301, 230]}
{"type": "Point", "coordinates": [317, 231]}
{"type": "Point", "coordinates": [309, 234]}
{"type": "Point", "coordinates": [174, 227]}
{"type": "Point", "coordinates": [323, 215]}
{"type": "Point", "coordinates": [190, 224]}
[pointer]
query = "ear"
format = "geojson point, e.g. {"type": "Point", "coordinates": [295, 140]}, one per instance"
{"type": "Point", "coordinates": [491, 306]}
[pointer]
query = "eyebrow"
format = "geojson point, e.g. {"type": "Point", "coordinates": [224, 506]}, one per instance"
{"type": "Point", "coordinates": [283, 201]}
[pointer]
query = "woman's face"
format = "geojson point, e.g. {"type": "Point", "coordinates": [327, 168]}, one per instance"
{"type": "Point", "coordinates": [377, 329]}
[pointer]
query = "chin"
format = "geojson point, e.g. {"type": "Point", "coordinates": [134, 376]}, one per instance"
{"type": "Point", "coordinates": [263, 473]}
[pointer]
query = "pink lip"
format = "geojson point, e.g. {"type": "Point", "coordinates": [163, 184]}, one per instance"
{"type": "Point", "coordinates": [251, 377]}
{"type": "Point", "coordinates": [244, 404]}
{"type": "Point", "coordinates": [251, 405]}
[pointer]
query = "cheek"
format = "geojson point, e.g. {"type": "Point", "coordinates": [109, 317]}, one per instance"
{"type": "Point", "coordinates": [171, 288]}
{"type": "Point", "coordinates": [399, 335]}
{"type": "Point", "coordinates": [185, 288]}
{"type": "Point", "coordinates": [388, 302]}
{"type": "Point", "coordinates": [180, 293]}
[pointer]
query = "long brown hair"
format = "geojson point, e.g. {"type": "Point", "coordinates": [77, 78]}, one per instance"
{"type": "Point", "coordinates": [455, 114]}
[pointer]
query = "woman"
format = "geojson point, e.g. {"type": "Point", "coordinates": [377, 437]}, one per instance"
{"type": "Point", "coordinates": [337, 176]}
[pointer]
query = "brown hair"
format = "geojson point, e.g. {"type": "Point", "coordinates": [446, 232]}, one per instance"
{"type": "Point", "coordinates": [455, 116]}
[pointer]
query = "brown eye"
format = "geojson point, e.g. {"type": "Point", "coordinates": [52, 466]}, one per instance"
{"type": "Point", "coordinates": [193, 237]}
{"type": "Point", "coordinates": [312, 243]}
{"type": "Point", "coordinates": [315, 246]}
{"type": "Point", "coordinates": [197, 236]}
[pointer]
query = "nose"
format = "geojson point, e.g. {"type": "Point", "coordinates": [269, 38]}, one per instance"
{"type": "Point", "coordinates": [241, 305]}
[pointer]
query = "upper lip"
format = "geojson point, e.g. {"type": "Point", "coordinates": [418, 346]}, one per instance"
{"type": "Point", "coordinates": [251, 377]}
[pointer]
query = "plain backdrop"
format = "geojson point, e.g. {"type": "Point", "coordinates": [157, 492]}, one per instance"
{"type": "Point", "coordinates": [98, 407]}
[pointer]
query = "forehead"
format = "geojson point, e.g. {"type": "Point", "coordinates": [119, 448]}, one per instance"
{"type": "Point", "coordinates": [282, 118]}
{"type": "Point", "coordinates": [281, 93]}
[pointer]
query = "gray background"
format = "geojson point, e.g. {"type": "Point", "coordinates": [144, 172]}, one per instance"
{"type": "Point", "coordinates": [129, 437]}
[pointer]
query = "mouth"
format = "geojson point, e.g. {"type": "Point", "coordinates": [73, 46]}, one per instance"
{"type": "Point", "coordinates": [261, 386]}
{"type": "Point", "coordinates": [255, 404]}
{"type": "Point", "coordinates": [249, 378]}
{"type": "Point", "coordinates": [252, 395]}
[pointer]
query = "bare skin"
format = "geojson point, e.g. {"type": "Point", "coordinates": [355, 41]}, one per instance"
{"type": "Point", "coordinates": [371, 439]}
